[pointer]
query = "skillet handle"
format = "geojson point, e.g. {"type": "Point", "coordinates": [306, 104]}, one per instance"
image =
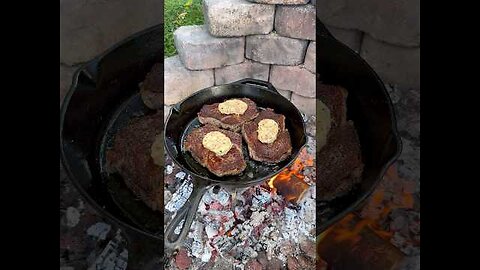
{"type": "Point", "coordinates": [256, 82]}
{"type": "Point", "coordinates": [187, 212]}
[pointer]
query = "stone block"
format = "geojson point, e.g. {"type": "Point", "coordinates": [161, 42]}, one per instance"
{"type": "Point", "coordinates": [394, 64]}
{"type": "Point", "coordinates": [181, 82]}
{"type": "Point", "coordinates": [296, 21]}
{"type": "Point", "coordinates": [233, 18]}
{"type": "Point", "coordinates": [293, 78]}
{"type": "Point", "coordinates": [199, 50]}
{"type": "Point", "coordinates": [275, 49]}
{"type": "Point", "coordinates": [247, 69]}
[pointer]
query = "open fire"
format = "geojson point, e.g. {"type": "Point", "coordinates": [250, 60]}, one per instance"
{"type": "Point", "coordinates": [367, 239]}
{"type": "Point", "coordinates": [272, 225]}
{"type": "Point", "coordinates": [289, 183]}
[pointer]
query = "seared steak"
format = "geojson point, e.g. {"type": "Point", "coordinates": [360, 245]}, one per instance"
{"type": "Point", "coordinates": [151, 89]}
{"type": "Point", "coordinates": [339, 163]}
{"type": "Point", "coordinates": [209, 114]}
{"type": "Point", "coordinates": [334, 97]}
{"type": "Point", "coordinates": [131, 157]}
{"type": "Point", "coordinates": [231, 163]}
{"type": "Point", "coordinates": [274, 152]}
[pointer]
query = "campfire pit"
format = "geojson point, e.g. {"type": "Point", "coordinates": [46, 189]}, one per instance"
{"type": "Point", "coordinates": [271, 225]}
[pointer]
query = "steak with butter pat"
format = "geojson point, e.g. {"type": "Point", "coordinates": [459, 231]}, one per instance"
{"type": "Point", "coordinates": [339, 163]}
{"type": "Point", "coordinates": [131, 157]}
{"type": "Point", "coordinates": [273, 152]}
{"type": "Point", "coordinates": [230, 163]}
{"type": "Point", "coordinates": [210, 114]}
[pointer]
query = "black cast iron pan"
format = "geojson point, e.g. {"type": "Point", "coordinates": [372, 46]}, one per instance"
{"type": "Point", "coordinates": [183, 119]}
{"type": "Point", "coordinates": [370, 108]}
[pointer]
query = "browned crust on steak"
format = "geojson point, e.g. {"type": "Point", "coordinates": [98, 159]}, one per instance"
{"type": "Point", "coordinates": [130, 157]}
{"type": "Point", "coordinates": [275, 152]}
{"type": "Point", "coordinates": [151, 89]}
{"type": "Point", "coordinates": [209, 114]}
{"type": "Point", "coordinates": [339, 163]}
{"type": "Point", "coordinates": [334, 97]}
{"type": "Point", "coordinates": [232, 163]}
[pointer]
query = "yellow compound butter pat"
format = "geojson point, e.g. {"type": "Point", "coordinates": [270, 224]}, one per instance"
{"type": "Point", "coordinates": [267, 131]}
{"type": "Point", "coordinates": [217, 142]}
{"type": "Point", "coordinates": [232, 106]}
{"type": "Point", "coordinates": [157, 150]}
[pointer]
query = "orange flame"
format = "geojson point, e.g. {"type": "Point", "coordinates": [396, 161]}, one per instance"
{"type": "Point", "coordinates": [372, 214]}
{"type": "Point", "coordinates": [290, 182]}
{"type": "Point", "coordinates": [303, 160]}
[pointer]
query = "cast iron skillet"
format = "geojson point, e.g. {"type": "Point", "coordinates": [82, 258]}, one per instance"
{"type": "Point", "coordinates": [106, 89]}
{"type": "Point", "coordinates": [183, 118]}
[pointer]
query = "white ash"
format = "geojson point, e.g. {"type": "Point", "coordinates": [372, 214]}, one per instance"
{"type": "Point", "coordinates": [167, 196]}
{"type": "Point", "coordinates": [179, 227]}
{"type": "Point", "coordinates": [239, 224]}
{"type": "Point", "coordinates": [207, 253]}
{"type": "Point", "coordinates": [223, 197]}
{"type": "Point", "coordinates": [114, 256]}
{"type": "Point", "coordinates": [197, 235]}
{"type": "Point", "coordinates": [72, 216]}
{"type": "Point", "coordinates": [207, 199]}
{"type": "Point", "coordinates": [99, 230]}
{"type": "Point", "coordinates": [180, 175]}
{"type": "Point", "coordinates": [211, 230]}
{"type": "Point", "coordinates": [169, 169]}
{"type": "Point", "coordinates": [239, 266]}
{"type": "Point", "coordinates": [268, 241]}
{"type": "Point", "coordinates": [180, 196]}
{"type": "Point", "coordinates": [311, 145]}
{"type": "Point", "coordinates": [261, 197]}
{"type": "Point", "coordinates": [257, 218]}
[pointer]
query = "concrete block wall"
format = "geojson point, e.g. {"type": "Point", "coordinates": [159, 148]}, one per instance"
{"type": "Point", "coordinates": [273, 32]}
{"type": "Point", "coordinates": [385, 33]}
{"type": "Point", "coordinates": [272, 40]}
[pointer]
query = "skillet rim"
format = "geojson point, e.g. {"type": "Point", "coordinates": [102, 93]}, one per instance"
{"type": "Point", "coordinates": [194, 175]}
{"type": "Point", "coordinates": [396, 140]}
{"type": "Point", "coordinates": [90, 65]}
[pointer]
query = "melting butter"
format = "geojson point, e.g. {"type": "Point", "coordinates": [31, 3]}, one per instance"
{"type": "Point", "coordinates": [232, 106]}
{"type": "Point", "coordinates": [267, 131]}
{"type": "Point", "coordinates": [217, 142]}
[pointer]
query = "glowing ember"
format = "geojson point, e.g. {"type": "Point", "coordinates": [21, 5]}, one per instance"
{"type": "Point", "coordinates": [376, 211]}
{"type": "Point", "coordinates": [289, 183]}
